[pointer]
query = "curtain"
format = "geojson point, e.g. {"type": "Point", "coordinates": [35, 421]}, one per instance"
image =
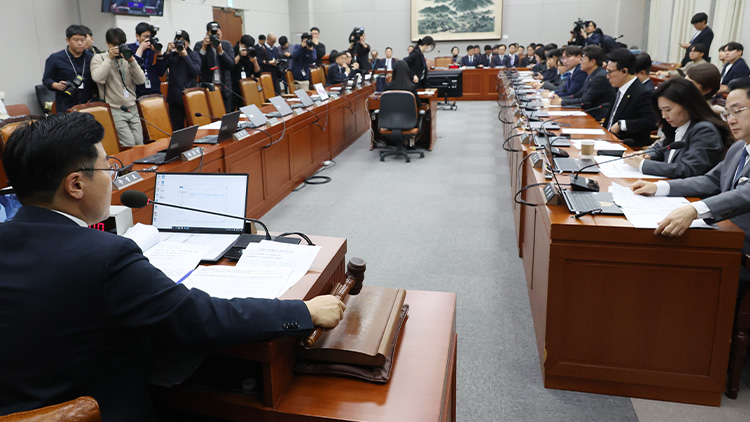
{"type": "Point", "coordinates": [726, 25]}
{"type": "Point", "coordinates": [682, 29]}
{"type": "Point", "coordinates": [655, 48]}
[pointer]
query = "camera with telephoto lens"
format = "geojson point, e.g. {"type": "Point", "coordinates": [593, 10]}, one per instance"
{"type": "Point", "coordinates": [72, 86]}
{"type": "Point", "coordinates": [309, 43]}
{"type": "Point", "coordinates": [214, 37]}
{"type": "Point", "coordinates": [125, 51]}
{"type": "Point", "coordinates": [578, 26]}
{"type": "Point", "coordinates": [356, 34]}
{"type": "Point", "coordinates": [155, 41]}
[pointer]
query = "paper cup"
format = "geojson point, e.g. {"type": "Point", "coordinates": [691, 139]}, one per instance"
{"type": "Point", "coordinates": [587, 147]}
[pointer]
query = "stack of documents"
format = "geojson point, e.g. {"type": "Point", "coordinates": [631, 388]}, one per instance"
{"type": "Point", "coordinates": [581, 131]}
{"type": "Point", "coordinates": [615, 168]}
{"type": "Point", "coordinates": [645, 212]}
{"type": "Point", "coordinates": [566, 113]}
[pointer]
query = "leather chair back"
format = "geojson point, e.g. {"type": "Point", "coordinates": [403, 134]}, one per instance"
{"type": "Point", "coordinates": [103, 115]}
{"type": "Point", "coordinates": [163, 88]}
{"type": "Point", "coordinates": [153, 108]}
{"type": "Point", "coordinates": [82, 409]}
{"type": "Point", "coordinates": [443, 61]}
{"type": "Point", "coordinates": [398, 110]}
{"type": "Point", "coordinates": [195, 102]}
{"type": "Point", "coordinates": [290, 81]}
{"type": "Point", "coordinates": [249, 90]}
{"type": "Point", "coordinates": [17, 110]}
{"type": "Point", "coordinates": [315, 77]}
{"type": "Point", "coordinates": [215, 102]}
{"type": "Point", "coordinates": [266, 82]}
{"type": "Point", "coordinates": [325, 71]}
{"type": "Point", "coordinates": [45, 97]}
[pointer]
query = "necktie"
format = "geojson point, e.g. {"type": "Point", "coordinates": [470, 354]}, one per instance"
{"type": "Point", "coordinates": [614, 109]}
{"type": "Point", "coordinates": [743, 158]}
{"type": "Point", "coordinates": [471, 59]}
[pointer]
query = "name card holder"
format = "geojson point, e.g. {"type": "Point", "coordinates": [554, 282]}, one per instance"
{"type": "Point", "coordinates": [240, 135]}
{"type": "Point", "coordinates": [273, 121]}
{"type": "Point", "coordinates": [191, 154]}
{"type": "Point", "coordinates": [127, 180]}
{"type": "Point", "coordinates": [552, 195]}
{"type": "Point", "coordinates": [537, 160]}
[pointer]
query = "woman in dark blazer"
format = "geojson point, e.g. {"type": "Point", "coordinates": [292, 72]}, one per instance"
{"type": "Point", "coordinates": [402, 80]}
{"type": "Point", "coordinates": [684, 116]}
{"type": "Point", "coordinates": [454, 55]}
{"type": "Point", "coordinates": [417, 63]}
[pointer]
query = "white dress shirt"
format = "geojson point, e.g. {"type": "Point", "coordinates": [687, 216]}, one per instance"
{"type": "Point", "coordinates": [75, 219]}
{"type": "Point", "coordinates": [623, 89]}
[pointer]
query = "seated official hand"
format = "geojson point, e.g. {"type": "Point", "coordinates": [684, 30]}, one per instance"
{"type": "Point", "coordinates": [326, 311]}
{"type": "Point", "coordinates": [415, 79]}
{"type": "Point", "coordinates": [615, 129]}
{"type": "Point", "coordinates": [554, 99]}
{"type": "Point", "coordinates": [536, 85]}
{"type": "Point", "coordinates": [635, 160]}
{"type": "Point", "coordinates": [677, 222]}
{"type": "Point", "coordinates": [643, 188]}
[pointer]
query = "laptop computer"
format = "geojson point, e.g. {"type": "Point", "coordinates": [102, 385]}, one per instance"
{"type": "Point", "coordinates": [548, 126]}
{"type": "Point", "coordinates": [228, 127]}
{"type": "Point", "coordinates": [224, 193]}
{"type": "Point", "coordinates": [321, 90]}
{"type": "Point", "coordinates": [282, 108]}
{"type": "Point", "coordinates": [257, 118]}
{"type": "Point", "coordinates": [9, 204]}
{"type": "Point", "coordinates": [572, 165]}
{"type": "Point", "coordinates": [181, 141]}
{"type": "Point", "coordinates": [305, 100]}
{"type": "Point", "coordinates": [579, 201]}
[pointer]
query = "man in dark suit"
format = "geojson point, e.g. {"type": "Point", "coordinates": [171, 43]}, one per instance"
{"type": "Point", "coordinates": [486, 59]}
{"type": "Point", "coordinates": [596, 91]}
{"type": "Point", "coordinates": [469, 59]}
{"type": "Point", "coordinates": [217, 60]}
{"type": "Point", "coordinates": [571, 58]}
{"type": "Point", "coordinates": [704, 36]}
{"type": "Point", "coordinates": [725, 189]}
{"type": "Point", "coordinates": [643, 70]}
{"type": "Point", "coordinates": [511, 60]}
{"type": "Point", "coordinates": [631, 115]}
{"type": "Point", "coordinates": [338, 72]}
{"type": "Point", "coordinates": [81, 323]}
{"type": "Point", "coordinates": [734, 65]}
{"type": "Point", "coordinates": [387, 62]}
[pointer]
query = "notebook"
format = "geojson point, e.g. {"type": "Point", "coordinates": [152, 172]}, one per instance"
{"type": "Point", "coordinates": [282, 108]}
{"type": "Point", "coordinates": [305, 100]}
{"type": "Point", "coordinates": [228, 127]}
{"type": "Point", "coordinates": [257, 118]}
{"type": "Point", "coordinates": [320, 89]}
{"type": "Point", "coordinates": [181, 141]}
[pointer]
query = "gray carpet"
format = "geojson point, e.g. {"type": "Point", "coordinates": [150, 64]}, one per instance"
{"type": "Point", "coordinates": [444, 223]}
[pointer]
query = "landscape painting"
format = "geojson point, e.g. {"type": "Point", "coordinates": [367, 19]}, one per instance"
{"type": "Point", "coordinates": [447, 20]}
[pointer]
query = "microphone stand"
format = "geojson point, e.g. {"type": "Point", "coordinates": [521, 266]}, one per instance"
{"type": "Point", "coordinates": [125, 109]}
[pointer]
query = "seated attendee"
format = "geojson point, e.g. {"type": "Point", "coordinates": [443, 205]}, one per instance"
{"type": "Point", "coordinates": [643, 70]}
{"type": "Point", "coordinates": [387, 62]}
{"type": "Point", "coordinates": [631, 116]}
{"type": "Point", "coordinates": [551, 76]}
{"type": "Point", "coordinates": [469, 59]}
{"type": "Point", "coordinates": [734, 65]}
{"type": "Point", "coordinates": [596, 90]}
{"type": "Point", "coordinates": [724, 189]}
{"type": "Point", "coordinates": [486, 59]}
{"type": "Point", "coordinates": [521, 52]}
{"type": "Point", "coordinates": [477, 53]}
{"type": "Point", "coordinates": [409, 49]}
{"type": "Point", "coordinates": [501, 51]}
{"type": "Point", "coordinates": [402, 81]}
{"type": "Point", "coordinates": [82, 324]}
{"type": "Point", "coordinates": [541, 64]}
{"type": "Point", "coordinates": [571, 58]}
{"type": "Point", "coordinates": [529, 60]}
{"type": "Point", "coordinates": [374, 58]}
{"type": "Point", "coordinates": [454, 55]}
{"type": "Point", "coordinates": [706, 78]}
{"type": "Point", "coordinates": [684, 116]}
{"type": "Point", "coordinates": [697, 55]}
{"type": "Point", "coordinates": [511, 60]}
{"type": "Point", "coordinates": [339, 71]}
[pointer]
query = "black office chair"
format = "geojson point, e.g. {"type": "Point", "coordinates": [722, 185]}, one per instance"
{"type": "Point", "coordinates": [45, 97]}
{"type": "Point", "coordinates": [399, 120]}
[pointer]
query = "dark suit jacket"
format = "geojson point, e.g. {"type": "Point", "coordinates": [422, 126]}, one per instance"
{"type": "Point", "coordinates": [705, 37]}
{"type": "Point", "coordinates": [225, 61]}
{"type": "Point", "coordinates": [738, 70]}
{"type": "Point", "coordinates": [716, 187]}
{"type": "Point", "coordinates": [573, 83]}
{"type": "Point", "coordinates": [474, 61]}
{"type": "Point", "coordinates": [381, 63]}
{"type": "Point", "coordinates": [506, 60]}
{"type": "Point", "coordinates": [595, 92]}
{"type": "Point", "coordinates": [81, 322]}
{"type": "Point", "coordinates": [418, 66]}
{"type": "Point", "coordinates": [649, 84]}
{"type": "Point", "coordinates": [335, 75]}
{"type": "Point", "coordinates": [497, 61]}
{"type": "Point", "coordinates": [635, 110]}
{"type": "Point", "coordinates": [703, 151]}
{"type": "Point", "coordinates": [486, 61]}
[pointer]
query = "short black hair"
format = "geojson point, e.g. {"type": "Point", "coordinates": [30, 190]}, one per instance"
{"type": "Point", "coordinates": [557, 52]}
{"type": "Point", "coordinates": [740, 83]}
{"type": "Point", "coordinates": [208, 25]}
{"type": "Point", "coordinates": [247, 40]}
{"type": "Point", "coordinates": [74, 30]}
{"type": "Point", "coordinates": [115, 36]}
{"type": "Point", "coordinates": [283, 40]}
{"type": "Point", "coordinates": [183, 34]}
{"type": "Point", "coordinates": [39, 155]}
{"type": "Point", "coordinates": [623, 58]}
{"type": "Point", "coordinates": [314, 28]}
{"type": "Point", "coordinates": [469, 47]}
{"type": "Point", "coordinates": [595, 53]}
{"type": "Point", "coordinates": [700, 48]}
{"type": "Point", "coordinates": [550, 46]}
{"type": "Point", "coordinates": [699, 17]}
{"type": "Point", "coordinates": [500, 45]}
{"type": "Point", "coordinates": [532, 45]}
{"type": "Point", "coordinates": [643, 62]}
{"type": "Point", "coordinates": [87, 30]}
{"type": "Point", "coordinates": [572, 50]}
{"type": "Point", "coordinates": [514, 44]}
{"type": "Point", "coordinates": [734, 46]}
{"type": "Point", "coordinates": [306, 35]}
{"type": "Point", "coordinates": [590, 22]}
{"type": "Point", "coordinates": [261, 37]}
{"type": "Point", "coordinates": [487, 47]}
{"type": "Point", "coordinates": [143, 27]}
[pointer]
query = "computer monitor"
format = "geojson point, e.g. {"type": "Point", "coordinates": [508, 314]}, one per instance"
{"type": "Point", "coordinates": [449, 83]}
{"type": "Point", "coordinates": [9, 204]}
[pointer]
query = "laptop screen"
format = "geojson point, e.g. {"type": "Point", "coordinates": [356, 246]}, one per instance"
{"type": "Point", "coordinates": [9, 204]}
{"type": "Point", "coordinates": [222, 193]}
{"type": "Point", "coordinates": [321, 91]}
{"type": "Point", "coordinates": [254, 114]}
{"type": "Point", "coordinates": [304, 98]}
{"type": "Point", "coordinates": [281, 106]}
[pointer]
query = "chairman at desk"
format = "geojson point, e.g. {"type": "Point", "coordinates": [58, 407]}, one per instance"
{"type": "Point", "coordinates": [80, 323]}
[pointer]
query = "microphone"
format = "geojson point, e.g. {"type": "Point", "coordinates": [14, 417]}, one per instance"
{"type": "Point", "coordinates": [138, 199]}
{"type": "Point", "coordinates": [585, 184]}
{"type": "Point", "coordinates": [585, 111]}
{"type": "Point", "coordinates": [125, 109]}
{"type": "Point", "coordinates": [222, 84]}
{"type": "Point", "coordinates": [208, 115]}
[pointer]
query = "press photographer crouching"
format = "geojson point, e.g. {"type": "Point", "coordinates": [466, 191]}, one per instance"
{"type": "Point", "coordinates": [147, 52]}
{"type": "Point", "coordinates": [184, 65]}
{"type": "Point", "coordinates": [217, 60]}
{"type": "Point", "coordinates": [116, 73]}
{"type": "Point", "coordinates": [67, 71]}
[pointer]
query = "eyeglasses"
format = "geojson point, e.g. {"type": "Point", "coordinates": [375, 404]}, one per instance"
{"type": "Point", "coordinates": [114, 170]}
{"type": "Point", "coordinates": [726, 114]}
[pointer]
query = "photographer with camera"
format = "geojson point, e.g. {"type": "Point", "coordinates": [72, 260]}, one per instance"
{"type": "Point", "coordinates": [184, 65]}
{"type": "Point", "coordinates": [359, 49]}
{"type": "Point", "coordinates": [67, 71]}
{"type": "Point", "coordinates": [320, 48]}
{"type": "Point", "coordinates": [303, 56]}
{"type": "Point", "coordinates": [147, 52]}
{"type": "Point", "coordinates": [246, 63]}
{"type": "Point", "coordinates": [116, 73]}
{"type": "Point", "coordinates": [217, 61]}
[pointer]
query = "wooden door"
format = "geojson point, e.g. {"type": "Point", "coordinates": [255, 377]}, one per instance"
{"type": "Point", "coordinates": [230, 21]}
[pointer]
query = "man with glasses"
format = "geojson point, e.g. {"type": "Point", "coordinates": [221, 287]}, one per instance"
{"type": "Point", "coordinates": [67, 72]}
{"type": "Point", "coordinates": [725, 189]}
{"type": "Point", "coordinates": [81, 306]}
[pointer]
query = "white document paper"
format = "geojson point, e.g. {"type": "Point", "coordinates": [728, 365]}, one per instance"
{"type": "Point", "coordinates": [176, 260]}
{"type": "Point", "coordinates": [218, 243]}
{"type": "Point", "coordinates": [145, 236]}
{"type": "Point", "coordinates": [615, 168]}
{"type": "Point", "coordinates": [645, 212]}
{"type": "Point", "coordinates": [567, 113]}
{"type": "Point", "coordinates": [277, 254]}
{"type": "Point", "coordinates": [577, 131]}
{"type": "Point", "coordinates": [228, 282]}
{"type": "Point", "coordinates": [212, 126]}
{"type": "Point", "coordinates": [600, 144]}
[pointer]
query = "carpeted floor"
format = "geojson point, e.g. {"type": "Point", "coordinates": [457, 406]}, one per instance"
{"type": "Point", "coordinates": [445, 223]}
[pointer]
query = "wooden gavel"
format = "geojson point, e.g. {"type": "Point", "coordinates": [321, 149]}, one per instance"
{"type": "Point", "coordinates": [352, 285]}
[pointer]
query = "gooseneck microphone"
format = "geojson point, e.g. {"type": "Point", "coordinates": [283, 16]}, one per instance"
{"type": "Point", "coordinates": [127, 110]}
{"type": "Point", "coordinates": [582, 183]}
{"type": "Point", "coordinates": [138, 199]}
{"type": "Point", "coordinates": [563, 117]}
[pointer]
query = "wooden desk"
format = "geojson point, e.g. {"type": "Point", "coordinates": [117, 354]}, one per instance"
{"type": "Point", "coordinates": [618, 310]}
{"type": "Point", "coordinates": [428, 137]}
{"type": "Point", "coordinates": [423, 379]}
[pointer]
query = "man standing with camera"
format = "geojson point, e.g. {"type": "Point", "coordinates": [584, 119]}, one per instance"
{"type": "Point", "coordinates": [147, 52]}
{"type": "Point", "coordinates": [184, 65]}
{"type": "Point", "coordinates": [359, 48]}
{"type": "Point", "coordinates": [246, 61]}
{"type": "Point", "coordinates": [303, 56]}
{"type": "Point", "coordinates": [116, 73]}
{"type": "Point", "coordinates": [320, 48]}
{"type": "Point", "coordinates": [67, 71]}
{"type": "Point", "coordinates": [217, 61]}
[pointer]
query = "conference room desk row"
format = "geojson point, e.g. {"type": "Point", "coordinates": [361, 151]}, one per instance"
{"type": "Point", "coordinates": [298, 148]}
{"type": "Point", "coordinates": [618, 310]}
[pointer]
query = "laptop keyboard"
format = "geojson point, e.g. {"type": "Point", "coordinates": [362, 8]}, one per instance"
{"type": "Point", "coordinates": [581, 201]}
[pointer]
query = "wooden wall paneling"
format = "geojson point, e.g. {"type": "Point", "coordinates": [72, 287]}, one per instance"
{"type": "Point", "coordinates": [336, 128]}
{"type": "Point", "coordinates": [300, 152]}
{"type": "Point", "coordinates": [320, 145]}
{"type": "Point", "coordinates": [276, 167]}
{"type": "Point", "coordinates": [250, 162]}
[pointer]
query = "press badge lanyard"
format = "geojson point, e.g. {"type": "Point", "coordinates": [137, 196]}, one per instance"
{"type": "Point", "coordinates": [121, 72]}
{"type": "Point", "coordinates": [83, 69]}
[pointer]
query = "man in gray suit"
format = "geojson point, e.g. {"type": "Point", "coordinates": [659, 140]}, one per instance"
{"type": "Point", "coordinates": [724, 189]}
